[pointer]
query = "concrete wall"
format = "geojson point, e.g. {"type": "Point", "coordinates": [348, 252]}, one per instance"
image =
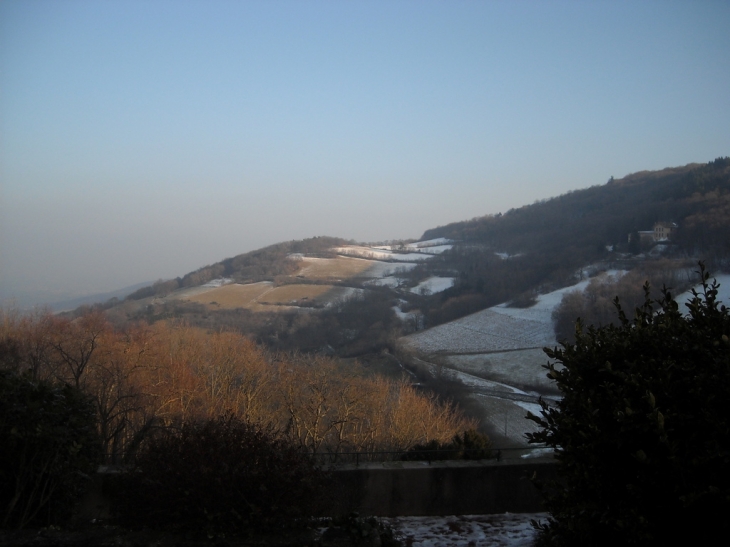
{"type": "Point", "coordinates": [409, 489]}
{"type": "Point", "coordinates": [441, 488]}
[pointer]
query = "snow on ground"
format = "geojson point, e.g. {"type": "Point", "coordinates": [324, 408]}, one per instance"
{"type": "Point", "coordinates": [430, 243]}
{"type": "Point", "coordinates": [440, 243]}
{"type": "Point", "coordinates": [723, 292]}
{"type": "Point", "coordinates": [384, 282]}
{"type": "Point", "coordinates": [505, 256]}
{"type": "Point", "coordinates": [482, 332]}
{"type": "Point", "coordinates": [501, 530]}
{"type": "Point", "coordinates": [522, 368]}
{"type": "Point", "coordinates": [535, 408]}
{"type": "Point", "coordinates": [498, 328]}
{"type": "Point", "coordinates": [345, 293]}
{"type": "Point", "coordinates": [543, 309]}
{"type": "Point", "coordinates": [504, 413]}
{"type": "Point", "coordinates": [506, 423]}
{"type": "Point", "coordinates": [380, 254]}
{"type": "Point", "coordinates": [433, 285]}
{"type": "Point", "coordinates": [435, 249]}
{"type": "Point", "coordinates": [214, 283]}
{"type": "Point", "coordinates": [470, 380]}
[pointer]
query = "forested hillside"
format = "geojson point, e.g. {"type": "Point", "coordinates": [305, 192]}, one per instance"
{"type": "Point", "coordinates": [542, 245]}
{"type": "Point", "coordinates": [584, 221]}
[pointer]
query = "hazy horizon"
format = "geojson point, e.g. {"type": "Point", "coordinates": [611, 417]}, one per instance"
{"type": "Point", "coordinates": [143, 139]}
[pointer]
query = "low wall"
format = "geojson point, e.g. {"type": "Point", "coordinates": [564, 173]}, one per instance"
{"type": "Point", "coordinates": [441, 488]}
{"type": "Point", "coordinates": [394, 489]}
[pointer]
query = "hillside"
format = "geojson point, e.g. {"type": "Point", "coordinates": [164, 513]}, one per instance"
{"type": "Point", "coordinates": [540, 247]}
{"type": "Point", "coordinates": [326, 292]}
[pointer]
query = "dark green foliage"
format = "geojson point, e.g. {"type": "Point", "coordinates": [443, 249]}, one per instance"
{"type": "Point", "coordinates": [642, 432]}
{"type": "Point", "coordinates": [48, 448]}
{"type": "Point", "coordinates": [470, 445]}
{"type": "Point", "coordinates": [222, 477]}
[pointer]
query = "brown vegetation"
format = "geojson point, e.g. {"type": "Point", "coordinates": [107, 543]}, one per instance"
{"type": "Point", "coordinates": [232, 296]}
{"type": "Point", "coordinates": [339, 267]}
{"type": "Point", "coordinates": [595, 306]}
{"type": "Point", "coordinates": [144, 378]}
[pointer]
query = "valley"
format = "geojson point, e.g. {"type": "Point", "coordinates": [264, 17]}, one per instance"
{"type": "Point", "coordinates": [466, 310]}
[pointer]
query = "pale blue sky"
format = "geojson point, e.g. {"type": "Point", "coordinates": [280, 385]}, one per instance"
{"type": "Point", "coordinates": [141, 140]}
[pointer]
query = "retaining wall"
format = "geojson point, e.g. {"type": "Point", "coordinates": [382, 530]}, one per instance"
{"type": "Point", "coordinates": [441, 488]}
{"type": "Point", "coordinates": [394, 489]}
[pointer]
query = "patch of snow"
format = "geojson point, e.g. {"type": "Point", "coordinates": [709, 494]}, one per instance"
{"type": "Point", "coordinates": [213, 283]}
{"type": "Point", "coordinates": [475, 381]}
{"type": "Point", "coordinates": [500, 530]}
{"type": "Point", "coordinates": [498, 328]}
{"type": "Point", "coordinates": [435, 249]}
{"type": "Point", "coordinates": [535, 408]}
{"type": "Point", "coordinates": [430, 243]}
{"type": "Point", "coordinates": [658, 250]}
{"type": "Point", "coordinates": [505, 256]}
{"type": "Point", "coordinates": [433, 285]}
{"type": "Point", "coordinates": [402, 315]}
{"type": "Point", "coordinates": [522, 367]}
{"type": "Point", "coordinates": [384, 282]}
{"type": "Point", "coordinates": [380, 254]}
{"type": "Point", "coordinates": [538, 452]}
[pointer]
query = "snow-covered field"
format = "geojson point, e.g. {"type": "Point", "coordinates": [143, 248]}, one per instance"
{"type": "Point", "coordinates": [482, 332]}
{"type": "Point", "coordinates": [380, 254]}
{"type": "Point", "coordinates": [502, 346]}
{"type": "Point", "coordinates": [218, 282]}
{"type": "Point", "coordinates": [497, 353]}
{"type": "Point", "coordinates": [503, 530]}
{"type": "Point", "coordinates": [437, 245]}
{"type": "Point", "coordinates": [522, 368]}
{"type": "Point", "coordinates": [498, 328]}
{"type": "Point", "coordinates": [433, 285]}
{"type": "Point", "coordinates": [434, 249]}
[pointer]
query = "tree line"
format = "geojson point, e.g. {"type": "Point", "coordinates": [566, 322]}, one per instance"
{"type": "Point", "coordinates": [146, 378]}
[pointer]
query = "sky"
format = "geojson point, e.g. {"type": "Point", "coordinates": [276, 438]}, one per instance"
{"type": "Point", "coordinates": [143, 140]}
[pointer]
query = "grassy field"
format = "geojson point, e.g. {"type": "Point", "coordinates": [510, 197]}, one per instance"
{"type": "Point", "coordinates": [233, 296]}
{"type": "Point", "coordinates": [294, 294]}
{"type": "Point", "coordinates": [265, 296]}
{"type": "Point", "coordinates": [339, 268]}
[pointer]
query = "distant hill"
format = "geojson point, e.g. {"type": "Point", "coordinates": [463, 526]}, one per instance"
{"type": "Point", "coordinates": [465, 266]}
{"type": "Point", "coordinates": [259, 265]}
{"type": "Point", "coordinates": [550, 240]}
{"type": "Point", "coordinates": [584, 220]}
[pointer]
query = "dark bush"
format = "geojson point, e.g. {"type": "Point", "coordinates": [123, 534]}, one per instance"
{"type": "Point", "coordinates": [642, 431]}
{"type": "Point", "coordinates": [48, 447]}
{"type": "Point", "coordinates": [470, 445]}
{"type": "Point", "coordinates": [222, 477]}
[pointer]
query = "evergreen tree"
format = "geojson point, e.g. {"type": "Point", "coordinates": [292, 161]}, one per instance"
{"type": "Point", "coordinates": [641, 434]}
